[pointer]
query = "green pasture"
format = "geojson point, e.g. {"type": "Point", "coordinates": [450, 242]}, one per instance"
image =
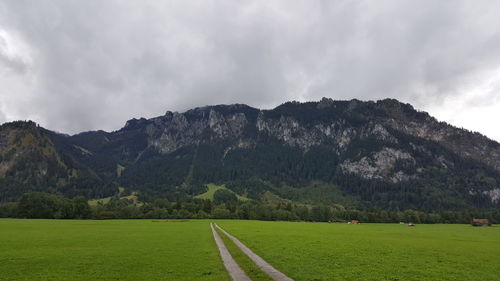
{"type": "Point", "coordinates": [250, 268]}
{"type": "Point", "coordinates": [185, 250]}
{"type": "Point", "coordinates": [323, 251]}
{"type": "Point", "coordinates": [108, 250]}
{"type": "Point", "coordinates": [212, 188]}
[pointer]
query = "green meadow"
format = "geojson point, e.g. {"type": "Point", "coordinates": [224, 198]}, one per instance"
{"type": "Point", "coordinates": [323, 251]}
{"type": "Point", "coordinates": [185, 250]}
{"type": "Point", "coordinates": [108, 250]}
{"type": "Point", "coordinates": [212, 188]}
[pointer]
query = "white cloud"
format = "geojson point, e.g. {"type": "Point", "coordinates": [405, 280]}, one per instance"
{"type": "Point", "coordinates": [14, 53]}
{"type": "Point", "coordinates": [476, 107]}
{"type": "Point", "coordinates": [81, 65]}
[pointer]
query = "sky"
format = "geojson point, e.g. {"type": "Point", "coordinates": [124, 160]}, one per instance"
{"type": "Point", "coordinates": [73, 66]}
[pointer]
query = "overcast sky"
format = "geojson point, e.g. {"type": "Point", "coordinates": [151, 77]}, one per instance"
{"type": "Point", "coordinates": [84, 65]}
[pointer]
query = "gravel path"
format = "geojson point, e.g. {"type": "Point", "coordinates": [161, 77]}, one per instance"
{"type": "Point", "coordinates": [262, 264]}
{"type": "Point", "coordinates": [234, 270]}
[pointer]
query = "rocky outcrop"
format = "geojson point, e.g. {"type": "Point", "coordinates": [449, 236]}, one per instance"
{"type": "Point", "coordinates": [175, 130]}
{"type": "Point", "coordinates": [380, 165]}
{"type": "Point", "coordinates": [464, 143]}
{"type": "Point", "coordinates": [338, 133]}
{"type": "Point", "coordinates": [338, 126]}
{"type": "Point", "coordinates": [494, 194]}
{"type": "Point", "coordinates": [341, 143]}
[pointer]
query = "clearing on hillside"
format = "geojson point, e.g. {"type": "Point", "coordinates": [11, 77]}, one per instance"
{"type": "Point", "coordinates": [212, 188]}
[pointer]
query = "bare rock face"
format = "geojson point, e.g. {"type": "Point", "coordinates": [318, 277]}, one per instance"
{"type": "Point", "coordinates": [172, 131]}
{"type": "Point", "coordinates": [217, 123]}
{"type": "Point", "coordinates": [289, 131]}
{"type": "Point", "coordinates": [337, 133]}
{"type": "Point", "coordinates": [379, 165]}
{"type": "Point", "coordinates": [337, 125]}
{"type": "Point", "coordinates": [341, 143]}
{"type": "Point", "coordinates": [383, 128]}
{"type": "Point", "coordinates": [494, 194]}
{"type": "Point", "coordinates": [175, 130]}
{"type": "Point", "coordinates": [466, 144]}
{"type": "Point", "coordinates": [237, 123]}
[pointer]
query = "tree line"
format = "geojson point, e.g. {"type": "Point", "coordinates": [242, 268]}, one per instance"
{"type": "Point", "coordinates": [223, 206]}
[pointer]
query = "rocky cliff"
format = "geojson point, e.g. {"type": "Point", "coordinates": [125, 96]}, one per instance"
{"type": "Point", "coordinates": [383, 152]}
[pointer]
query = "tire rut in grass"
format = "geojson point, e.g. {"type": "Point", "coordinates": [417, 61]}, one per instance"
{"type": "Point", "coordinates": [260, 262]}
{"type": "Point", "coordinates": [234, 270]}
{"type": "Point", "coordinates": [250, 268]}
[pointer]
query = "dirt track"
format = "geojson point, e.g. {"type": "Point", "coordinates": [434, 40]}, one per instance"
{"type": "Point", "coordinates": [234, 270]}
{"type": "Point", "coordinates": [262, 264]}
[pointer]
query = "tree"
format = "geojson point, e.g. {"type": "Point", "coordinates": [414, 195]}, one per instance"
{"type": "Point", "coordinates": [221, 213]}
{"type": "Point", "coordinates": [38, 205]}
{"type": "Point", "coordinates": [224, 196]}
{"type": "Point", "coordinates": [81, 208]}
{"type": "Point", "coordinates": [8, 210]}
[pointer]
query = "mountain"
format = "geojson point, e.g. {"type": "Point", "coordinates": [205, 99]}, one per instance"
{"type": "Point", "coordinates": [382, 154]}
{"type": "Point", "coordinates": [30, 161]}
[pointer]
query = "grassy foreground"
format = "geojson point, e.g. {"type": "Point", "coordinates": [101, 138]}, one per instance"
{"type": "Point", "coordinates": [322, 251]}
{"type": "Point", "coordinates": [147, 250]}
{"type": "Point", "coordinates": [250, 268]}
{"type": "Point", "coordinates": [108, 250]}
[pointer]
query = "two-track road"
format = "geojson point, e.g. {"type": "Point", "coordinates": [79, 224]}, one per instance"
{"type": "Point", "coordinates": [236, 273]}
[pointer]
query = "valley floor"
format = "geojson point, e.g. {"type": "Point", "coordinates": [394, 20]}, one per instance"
{"type": "Point", "coordinates": [108, 250]}
{"type": "Point", "coordinates": [186, 250]}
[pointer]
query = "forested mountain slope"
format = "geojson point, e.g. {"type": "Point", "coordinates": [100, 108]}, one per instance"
{"type": "Point", "coordinates": [30, 161]}
{"type": "Point", "coordinates": [382, 154]}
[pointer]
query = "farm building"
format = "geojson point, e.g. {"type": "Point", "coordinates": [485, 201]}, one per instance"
{"type": "Point", "coordinates": [481, 222]}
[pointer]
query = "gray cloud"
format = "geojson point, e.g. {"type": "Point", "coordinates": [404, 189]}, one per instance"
{"type": "Point", "coordinates": [83, 65]}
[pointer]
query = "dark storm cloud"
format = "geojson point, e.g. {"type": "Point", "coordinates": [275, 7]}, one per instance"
{"type": "Point", "coordinates": [79, 65]}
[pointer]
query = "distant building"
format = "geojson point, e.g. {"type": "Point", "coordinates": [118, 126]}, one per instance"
{"type": "Point", "coordinates": [354, 222]}
{"type": "Point", "coordinates": [481, 222]}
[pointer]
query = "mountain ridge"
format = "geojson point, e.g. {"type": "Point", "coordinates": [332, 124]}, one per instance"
{"type": "Point", "coordinates": [358, 149]}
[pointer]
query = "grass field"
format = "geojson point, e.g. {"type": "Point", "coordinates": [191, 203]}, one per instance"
{"type": "Point", "coordinates": [105, 200]}
{"type": "Point", "coordinates": [212, 188]}
{"type": "Point", "coordinates": [250, 268]}
{"type": "Point", "coordinates": [94, 202]}
{"type": "Point", "coordinates": [322, 251]}
{"type": "Point", "coordinates": [108, 250]}
{"type": "Point", "coordinates": [147, 250]}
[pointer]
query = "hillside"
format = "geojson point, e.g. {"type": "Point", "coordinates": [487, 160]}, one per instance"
{"type": "Point", "coordinates": [30, 161]}
{"type": "Point", "coordinates": [382, 154]}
